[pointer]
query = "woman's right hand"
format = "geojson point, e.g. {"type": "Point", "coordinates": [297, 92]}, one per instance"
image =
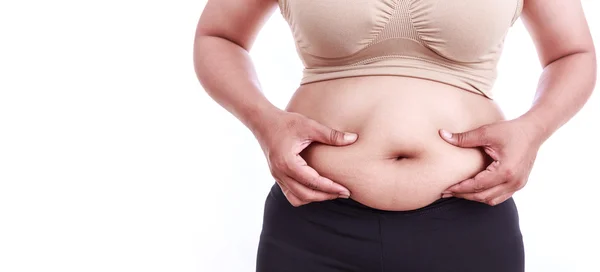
{"type": "Point", "coordinates": [282, 138]}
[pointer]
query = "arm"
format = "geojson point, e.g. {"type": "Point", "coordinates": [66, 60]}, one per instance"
{"type": "Point", "coordinates": [225, 33]}
{"type": "Point", "coordinates": [564, 44]}
{"type": "Point", "coordinates": [224, 36]}
{"type": "Point", "coordinates": [566, 51]}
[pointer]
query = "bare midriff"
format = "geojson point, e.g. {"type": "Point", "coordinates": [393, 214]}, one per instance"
{"type": "Point", "coordinates": [399, 161]}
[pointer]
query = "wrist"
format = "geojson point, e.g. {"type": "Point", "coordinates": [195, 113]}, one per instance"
{"type": "Point", "coordinates": [535, 126]}
{"type": "Point", "coordinates": [260, 117]}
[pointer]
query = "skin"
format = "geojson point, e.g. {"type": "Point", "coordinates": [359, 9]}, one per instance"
{"type": "Point", "coordinates": [566, 52]}
{"type": "Point", "coordinates": [227, 29]}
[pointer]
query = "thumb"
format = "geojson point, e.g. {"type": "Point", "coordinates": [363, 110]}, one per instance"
{"type": "Point", "coordinates": [472, 138]}
{"type": "Point", "coordinates": [326, 135]}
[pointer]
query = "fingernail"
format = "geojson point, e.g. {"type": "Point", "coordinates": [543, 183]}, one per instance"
{"type": "Point", "coordinates": [446, 192]}
{"type": "Point", "coordinates": [344, 195]}
{"type": "Point", "coordinates": [446, 134]}
{"type": "Point", "coordinates": [446, 195]}
{"type": "Point", "coordinates": [350, 136]}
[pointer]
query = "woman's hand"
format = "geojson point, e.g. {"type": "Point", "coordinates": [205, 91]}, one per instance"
{"type": "Point", "coordinates": [513, 145]}
{"type": "Point", "coordinates": [282, 138]}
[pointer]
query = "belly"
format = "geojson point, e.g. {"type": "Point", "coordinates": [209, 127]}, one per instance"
{"type": "Point", "coordinates": [399, 161]}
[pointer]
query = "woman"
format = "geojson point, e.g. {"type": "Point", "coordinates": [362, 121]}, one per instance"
{"type": "Point", "coordinates": [392, 154]}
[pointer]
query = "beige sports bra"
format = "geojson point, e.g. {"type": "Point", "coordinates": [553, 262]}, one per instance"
{"type": "Point", "coordinates": [457, 42]}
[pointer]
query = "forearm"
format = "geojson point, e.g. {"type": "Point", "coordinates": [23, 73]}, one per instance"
{"type": "Point", "coordinates": [564, 87]}
{"type": "Point", "coordinates": [227, 74]}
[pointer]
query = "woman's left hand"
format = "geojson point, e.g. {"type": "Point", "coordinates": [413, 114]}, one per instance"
{"type": "Point", "coordinates": [512, 144]}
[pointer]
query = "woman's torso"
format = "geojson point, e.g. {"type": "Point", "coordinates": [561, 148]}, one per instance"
{"type": "Point", "coordinates": [399, 161]}
{"type": "Point", "coordinates": [395, 72]}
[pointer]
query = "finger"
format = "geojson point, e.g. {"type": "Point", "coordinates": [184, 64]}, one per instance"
{"type": "Point", "coordinates": [293, 199]}
{"type": "Point", "coordinates": [484, 180]}
{"type": "Point", "coordinates": [489, 196]}
{"type": "Point", "coordinates": [326, 135]}
{"type": "Point", "coordinates": [306, 175]}
{"type": "Point", "coordinates": [501, 199]}
{"type": "Point", "coordinates": [306, 194]}
{"type": "Point", "coordinates": [472, 138]}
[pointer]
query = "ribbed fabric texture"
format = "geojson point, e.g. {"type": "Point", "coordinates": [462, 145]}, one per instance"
{"type": "Point", "coordinates": [400, 24]}
{"type": "Point", "coordinates": [453, 42]}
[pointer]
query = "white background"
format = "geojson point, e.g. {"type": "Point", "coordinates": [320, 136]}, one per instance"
{"type": "Point", "coordinates": [113, 158]}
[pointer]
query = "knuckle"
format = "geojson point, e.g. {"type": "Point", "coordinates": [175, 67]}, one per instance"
{"type": "Point", "coordinates": [480, 198]}
{"type": "Point", "coordinates": [520, 184]}
{"type": "Point", "coordinates": [311, 197]}
{"type": "Point", "coordinates": [295, 203]}
{"type": "Point", "coordinates": [478, 185]}
{"type": "Point", "coordinates": [509, 173]}
{"type": "Point", "coordinates": [461, 138]}
{"type": "Point", "coordinates": [312, 183]}
{"type": "Point", "coordinates": [302, 195]}
{"type": "Point", "coordinates": [334, 136]}
{"type": "Point", "coordinates": [276, 162]}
